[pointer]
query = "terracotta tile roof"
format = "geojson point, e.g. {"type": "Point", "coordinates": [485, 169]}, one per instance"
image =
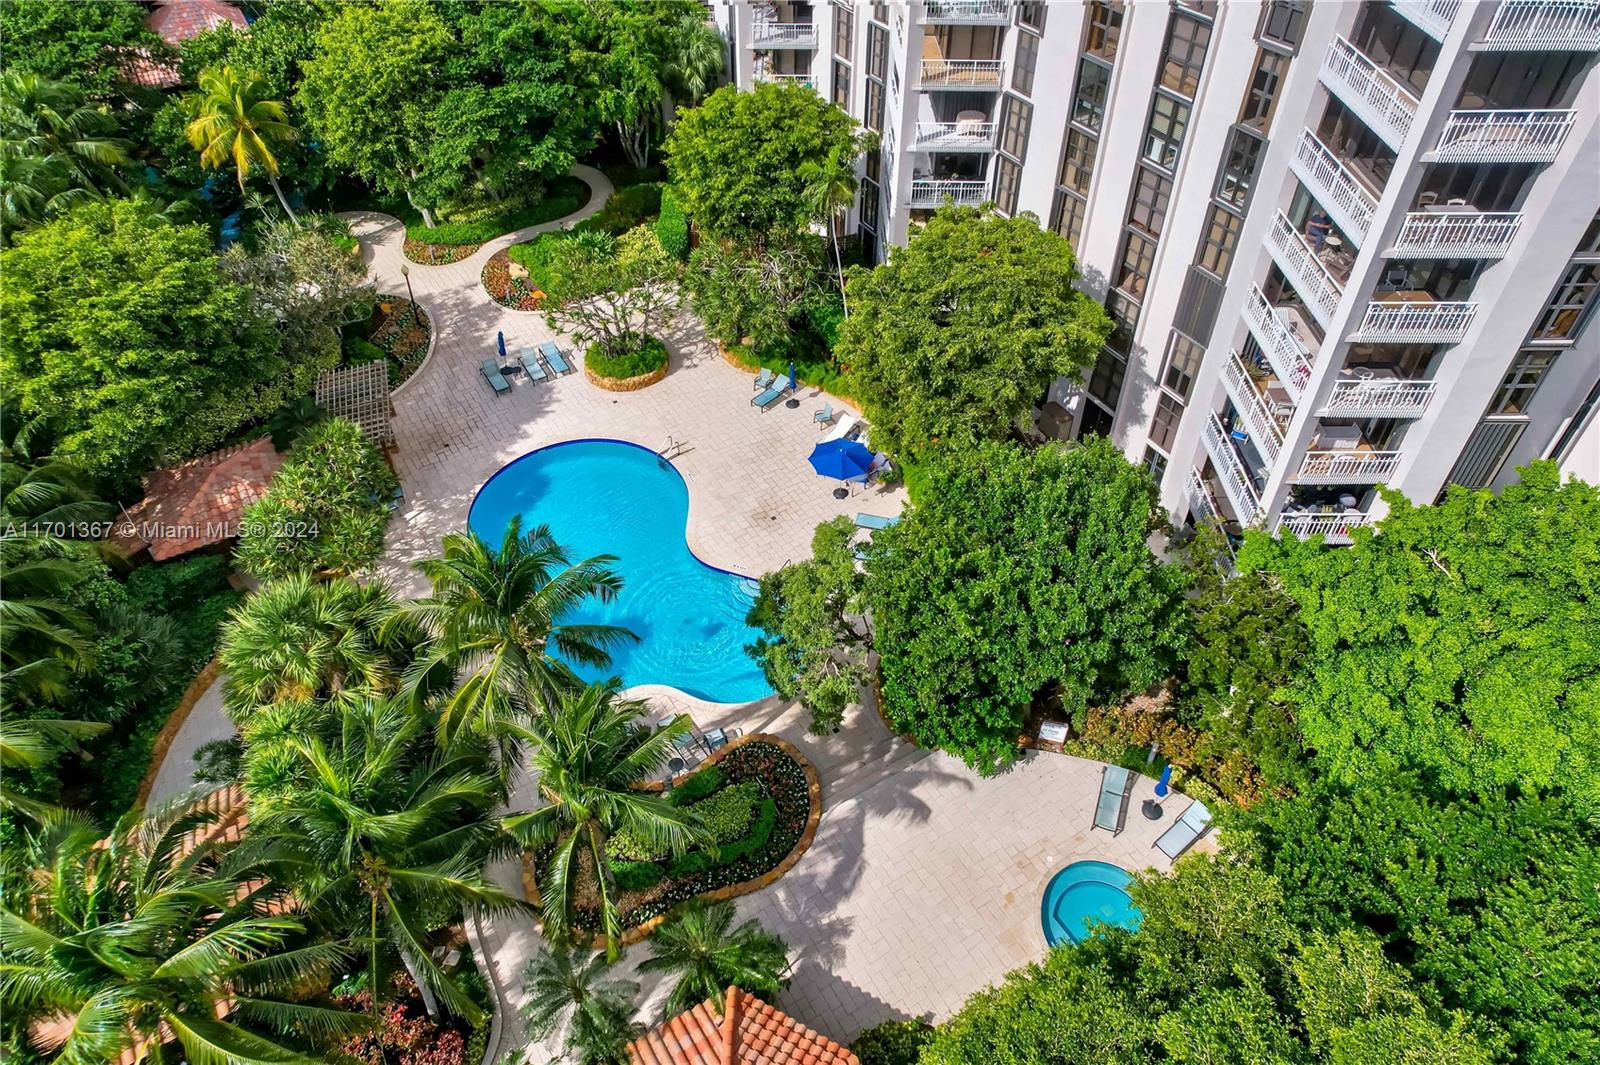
{"type": "Point", "coordinates": [176, 21]}
{"type": "Point", "coordinates": [139, 67]}
{"type": "Point", "coordinates": [199, 502]}
{"type": "Point", "coordinates": [749, 1032]}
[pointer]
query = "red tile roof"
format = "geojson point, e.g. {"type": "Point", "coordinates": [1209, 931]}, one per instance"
{"type": "Point", "coordinates": [199, 502]}
{"type": "Point", "coordinates": [139, 67]}
{"type": "Point", "coordinates": [176, 21]}
{"type": "Point", "coordinates": [749, 1032]}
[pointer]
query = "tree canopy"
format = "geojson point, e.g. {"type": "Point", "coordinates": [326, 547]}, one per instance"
{"type": "Point", "coordinates": [81, 43]}
{"type": "Point", "coordinates": [964, 328]}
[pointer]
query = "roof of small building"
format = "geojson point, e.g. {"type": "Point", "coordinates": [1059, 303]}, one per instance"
{"type": "Point", "coordinates": [749, 1032]}
{"type": "Point", "coordinates": [359, 394]}
{"type": "Point", "coordinates": [176, 21]}
{"type": "Point", "coordinates": [199, 502]}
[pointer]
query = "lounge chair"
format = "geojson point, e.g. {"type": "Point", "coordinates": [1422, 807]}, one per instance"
{"type": "Point", "coordinates": [497, 380]}
{"type": "Point", "coordinates": [840, 428]}
{"type": "Point", "coordinates": [1111, 812]}
{"type": "Point", "coordinates": [873, 521]}
{"type": "Point", "coordinates": [1195, 822]}
{"type": "Point", "coordinates": [552, 355]}
{"type": "Point", "coordinates": [764, 380]}
{"type": "Point", "coordinates": [771, 395]}
{"type": "Point", "coordinates": [825, 415]}
{"type": "Point", "coordinates": [530, 365]}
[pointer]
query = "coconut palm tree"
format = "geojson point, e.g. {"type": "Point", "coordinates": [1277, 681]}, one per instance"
{"type": "Point", "coordinates": [708, 955]}
{"type": "Point", "coordinates": [590, 751]}
{"type": "Point", "coordinates": [143, 937]}
{"type": "Point", "coordinates": [299, 640]}
{"type": "Point", "coordinates": [495, 622]}
{"type": "Point", "coordinates": [830, 186]}
{"type": "Point", "coordinates": [570, 999]}
{"type": "Point", "coordinates": [230, 119]}
{"type": "Point", "coordinates": [56, 149]}
{"type": "Point", "coordinates": [382, 836]}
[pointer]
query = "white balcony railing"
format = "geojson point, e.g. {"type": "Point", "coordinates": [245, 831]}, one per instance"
{"type": "Point", "coordinates": [1432, 16]}
{"type": "Point", "coordinates": [1258, 420]}
{"type": "Point", "coordinates": [786, 79]}
{"type": "Point", "coordinates": [1502, 136]}
{"type": "Point", "coordinates": [1377, 398]}
{"type": "Point", "coordinates": [1305, 271]}
{"type": "Point", "coordinates": [1455, 235]}
{"type": "Point", "coordinates": [1370, 91]}
{"type": "Point", "coordinates": [1201, 499]}
{"type": "Point", "coordinates": [1543, 25]}
{"type": "Point", "coordinates": [955, 136]}
{"type": "Point", "coordinates": [1236, 484]}
{"type": "Point", "coordinates": [1333, 528]}
{"type": "Point", "coordinates": [1338, 190]}
{"type": "Point", "coordinates": [1414, 323]}
{"type": "Point", "coordinates": [1287, 355]}
{"type": "Point", "coordinates": [766, 33]}
{"type": "Point", "coordinates": [931, 192]}
{"type": "Point", "coordinates": [1348, 467]}
{"type": "Point", "coordinates": [966, 11]}
{"type": "Point", "coordinates": [962, 73]}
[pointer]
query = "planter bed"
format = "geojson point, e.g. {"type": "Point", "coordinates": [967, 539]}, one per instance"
{"type": "Point", "coordinates": [403, 335]}
{"type": "Point", "coordinates": [516, 293]}
{"type": "Point", "coordinates": [437, 254]}
{"type": "Point", "coordinates": [627, 373]}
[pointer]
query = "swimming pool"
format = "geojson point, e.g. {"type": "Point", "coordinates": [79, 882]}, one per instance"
{"type": "Point", "coordinates": [1084, 894]}
{"type": "Point", "coordinates": [616, 498]}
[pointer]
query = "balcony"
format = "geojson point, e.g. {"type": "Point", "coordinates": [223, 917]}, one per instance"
{"type": "Point", "coordinates": [1201, 499]}
{"type": "Point", "coordinates": [1543, 26]}
{"type": "Point", "coordinates": [1501, 137]}
{"type": "Point", "coordinates": [1348, 466]}
{"type": "Point", "coordinates": [1455, 235]}
{"type": "Point", "coordinates": [1319, 288]}
{"type": "Point", "coordinates": [1341, 193]}
{"type": "Point", "coordinates": [1289, 356]}
{"type": "Point", "coordinates": [1236, 484]}
{"type": "Point", "coordinates": [1377, 397]}
{"type": "Point", "coordinates": [962, 73]}
{"type": "Point", "coordinates": [766, 33]}
{"type": "Point", "coordinates": [1380, 101]}
{"type": "Point", "coordinates": [786, 79]}
{"type": "Point", "coordinates": [1259, 417]}
{"type": "Point", "coordinates": [1414, 322]}
{"type": "Point", "coordinates": [1334, 528]}
{"type": "Point", "coordinates": [966, 136]}
{"type": "Point", "coordinates": [1433, 17]}
{"type": "Point", "coordinates": [932, 192]}
{"type": "Point", "coordinates": [970, 12]}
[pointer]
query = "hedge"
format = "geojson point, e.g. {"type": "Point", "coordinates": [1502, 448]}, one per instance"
{"type": "Point", "coordinates": [561, 197]}
{"type": "Point", "coordinates": [672, 226]}
{"type": "Point", "coordinates": [649, 357]}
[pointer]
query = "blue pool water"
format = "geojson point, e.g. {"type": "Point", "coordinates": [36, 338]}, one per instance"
{"type": "Point", "coordinates": [615, 498]}
{"type": "Point", "coordinates": [1083, 894]}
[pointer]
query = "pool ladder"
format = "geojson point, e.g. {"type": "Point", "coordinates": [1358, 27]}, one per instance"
{"type": "Point", "coordinates": [673, 447]}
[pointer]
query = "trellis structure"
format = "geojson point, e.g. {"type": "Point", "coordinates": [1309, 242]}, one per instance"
{"type": "Point", "coordinates": [360, 394]}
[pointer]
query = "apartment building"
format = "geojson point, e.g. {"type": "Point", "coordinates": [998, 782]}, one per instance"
{"type": "Point", "coordinates": [1344, 244]}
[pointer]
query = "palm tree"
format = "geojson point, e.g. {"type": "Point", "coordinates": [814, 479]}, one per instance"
{"type": "Point", "coordinates": [143, 937]}
{"type": "Point", "coordinates": [381, 835]}
{"type": "Point", "coordinates": [696, 59]}
{"type": "Point", "coordinates": [27, 743]}
{"type": "Point", "coordinates": [830, 186]}
{"type": "Point", "coordinates": [707, 958]}
{"type": "Point", "coordinates": [568, 999]}
{"type": "Point", "coordinates": [230, 119]}
{"type": "Point", "coordinates": [590, 751]}
{"type": "Point", "coordinates": [56, 149]}
{"type": "Point", "coordinates": [300, 640]}
{"type": "Point", "coordinates": [495, 617]}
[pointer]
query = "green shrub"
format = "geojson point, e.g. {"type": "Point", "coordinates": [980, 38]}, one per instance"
{"type": "Point", "coordinates": [164, 586]}
{"type": "Point", "coordinates": [765, 820]}
{"type": "Point", "coordinates": [697, 787]}
{"type": "Point", "coordinates": [892, 1043]}
{"type": "Point", "coordinates": [358, 351]}
{"type": "Point", "coordinates": [563, 196]}
{"type": "Point", "coordinates": [672, 227]}
{"type": "Point", "coordinates": [650, 356]}
{"type": "Point", "coordinates": [624, 845]}
{"type": "Point", "coordinates": [727, 814]}
{"type": "Point", "coordinates": [626, 208]}
{"type": "Point", "coordinates": [636, 876]}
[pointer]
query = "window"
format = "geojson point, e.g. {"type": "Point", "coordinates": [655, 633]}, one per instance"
{"type": "Point", "coordinates": [873, 116]}
{"type": "Point", "coordinates": [1031, 15]}
{"type": "Point", "coordinates": [1077, 161]}
{"type": "Point", "coordinates": [1105, 383]}
{"type": "Point", "coordinates": [1239, 168]}
{"type": "Point", "coordinates": [844, 34]}
{"type": "Point", "coordinates": [1067, 216]}
{"type": "Point", "coordinates": [1283, 21]}
{"type": "Point", "coordinates": [1156, 463]}
{"type": "Point", "coordinates": [877, 50]}
{"type": "Point", "coordinates": [1262, 95]}
{"type": "Point", "coordinates": [1590, 244]}
{"type": "Point", "coordinates": [1089, 109]}
{"type": "Point", "coordinates": [1103, 29]}
{"type": "Point", "coordinates": [1568, 306]}
{"type": "Point", "coordinates": [841, 85]}
{"type": "Point", "coordinates": [1183, 363]}
{"type": "Point", "coordinates": [1007, 175]}
{"type": "Point", "coordinates": [869, 204]}
{"type": "Point", "coordinates": [1124, 311]}
{"type": "Point", "coordinates": [1522, 381]}
{"type": "Point", "coordinates": [1220, 240]}
{"type": "Point", "coordinates": [1164, 424]}
{"type": "Point", "coordinates": [1026, 61]}
{"type": "Point", "coordinates": [1133, 270]}
{"type": "Point", "coordinates": [1186, 54]}
{"type": "Point", "coordinates": [1169, 119]}
{"type": "Point", "coordinates": [1152, 192]}
{"type": "Point", "coordinates": [1015, 117]}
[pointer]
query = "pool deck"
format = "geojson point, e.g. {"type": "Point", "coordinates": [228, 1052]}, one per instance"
{"type": "Point", "coordinates": [924, 881]}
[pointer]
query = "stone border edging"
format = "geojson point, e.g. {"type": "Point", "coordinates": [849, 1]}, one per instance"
{"type": "Point", "coordinates": [433, 342]}
{"type": "Point", "coordinates": [638, 933]}
{"type": "Point", "coordinates": [629, 384]}
{"type": "Point", "coordinates": [169, 731]}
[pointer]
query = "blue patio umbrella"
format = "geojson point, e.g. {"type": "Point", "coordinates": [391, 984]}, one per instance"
{"type": "Point", "coordinates": [500, 339]}
{"type": "Point", "coordinates": [843, 460]}
{"type": "Point", "coordinates": [1162, 785]}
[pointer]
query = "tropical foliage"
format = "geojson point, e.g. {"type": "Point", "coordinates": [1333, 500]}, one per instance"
{"type": "Point", "coordinates": [572, 1002]}
{"type": "Point", "coordinates": [608, 292]}
{"type": "Point", "coordinates": [705, 954]}
{"type": "Point", "coordinates": [56, 149]}
{"type": "Point", "coordinates": [233, 123]}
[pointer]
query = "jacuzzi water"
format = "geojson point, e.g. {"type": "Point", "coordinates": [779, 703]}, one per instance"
{"type": "Point", "coordinates": [615, 498]}
{"type": "Point", "coordinates": [1082, 895]}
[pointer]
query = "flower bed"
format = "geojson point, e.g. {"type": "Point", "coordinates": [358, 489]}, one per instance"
{"type": "Point", "coordinates": [517, 293]}
{"type": "Point", "coordinates": [403, 334]}
{"type": "Point", "coordinates": [405, 1035]}
{"type": "Point", "coordinates": [450, 242]}
{"type": "Point", "coordinates": [420, 251]}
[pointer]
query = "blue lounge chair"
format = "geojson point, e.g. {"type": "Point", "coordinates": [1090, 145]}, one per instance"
{"type": "Point", "coordinates": [873, 521]}
{"type": "Point", "coordinates": [771, 395]}
{"type": "Point", "coordinates": [1195, 822]}
{"type": "Point", "coordinates": [530, 365]}
{"type": "Point", "coordinates": [823, 416]}
{"type": "Point", "coordinates": [764, 380]}
{"type": "Point", "coordinates": [497, 380]}
{"type": "Point", "coordinates": [553, 356]}
{"type": "Point", "coordinates": [1111, 812]}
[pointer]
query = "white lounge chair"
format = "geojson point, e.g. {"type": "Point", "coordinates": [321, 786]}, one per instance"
{"type": "Point", "coordinates": [1194, 823]}
{"type": "Point", "coordinates": [840, 428]}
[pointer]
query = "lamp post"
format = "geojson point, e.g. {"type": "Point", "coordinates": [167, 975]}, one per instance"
{"type": "Point", "coordinates": [405, 272]}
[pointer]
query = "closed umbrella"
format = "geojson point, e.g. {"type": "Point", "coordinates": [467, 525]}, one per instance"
{"type": "Point", "coordinates": [500, 339]}
{"type": "Point", "coordinates": [792, 402]}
